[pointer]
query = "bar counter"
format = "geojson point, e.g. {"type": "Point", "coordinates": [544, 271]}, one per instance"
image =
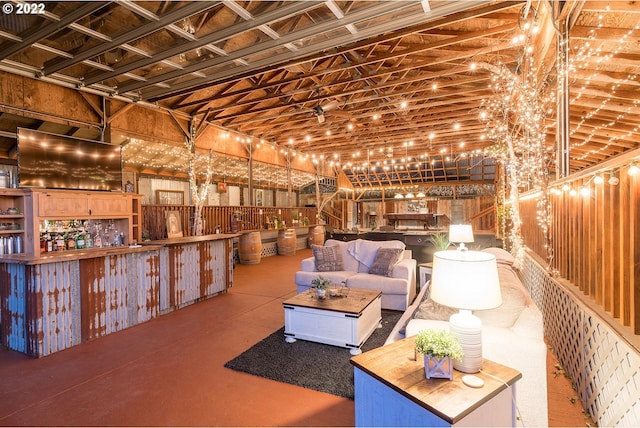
{"type": "Point", "coordinates": [194, 268]}
{"type": "Point", "coordinates": [59, 300]}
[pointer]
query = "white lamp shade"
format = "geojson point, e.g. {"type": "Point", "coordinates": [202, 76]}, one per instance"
{"type": "Point", "coordinates": [460, 233]}
{"type": "Point", "coordinates": [465, 280]}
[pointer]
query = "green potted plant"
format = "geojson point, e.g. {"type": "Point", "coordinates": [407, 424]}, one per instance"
{"type": "Point", "coordinates": [278, 224]}
{"type": "Point", "coordinates": [440, 348]}
{"type": "Point", "coordinates": [440, 240]}
{"type": "Point", "coordinates": [321, 285]}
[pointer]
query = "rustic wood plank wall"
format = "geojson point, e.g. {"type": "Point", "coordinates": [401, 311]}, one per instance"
{"type": "Point", "coordinates": [595, 239]}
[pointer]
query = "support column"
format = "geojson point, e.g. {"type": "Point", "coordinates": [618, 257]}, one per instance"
{"type": "Point", "coordinates": [562, 113]}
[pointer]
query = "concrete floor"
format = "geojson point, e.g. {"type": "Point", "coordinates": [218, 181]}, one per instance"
{"type": "Point", "coordinates": [170, 371]}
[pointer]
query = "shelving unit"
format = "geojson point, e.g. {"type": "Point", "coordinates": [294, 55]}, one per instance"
{"type": "Point", "coordinates": [38, 205]}
{"type": "Point", "coordinates": [12, 224]}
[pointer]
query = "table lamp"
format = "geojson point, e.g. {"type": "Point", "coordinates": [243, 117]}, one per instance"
{"type": "Point", "coordinates": [467, 280]}
{"type": "Point", "coordinates": [461, 233]}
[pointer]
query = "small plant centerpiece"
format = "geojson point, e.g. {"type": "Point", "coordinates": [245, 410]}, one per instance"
{"type": "Point", "coordinates": [439, 348]}
{"type": "Point", "coordinates": [321, 285]}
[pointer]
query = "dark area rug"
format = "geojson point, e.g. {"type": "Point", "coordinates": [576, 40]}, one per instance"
{"type": "Point", "coordinates": [311, 365]}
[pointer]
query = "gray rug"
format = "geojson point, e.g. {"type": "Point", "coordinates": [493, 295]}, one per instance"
{"type": "Point", "coordinates": [310, 365]}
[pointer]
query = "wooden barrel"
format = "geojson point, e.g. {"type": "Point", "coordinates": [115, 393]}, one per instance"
{"type": "Point", "coordinates": [250, 248]}
{"type": "Point", "coordinates": [316, 235]}
{"type": "Point", "coordinates": [287, 242]}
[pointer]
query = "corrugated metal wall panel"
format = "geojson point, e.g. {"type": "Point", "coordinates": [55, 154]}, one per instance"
{"type": "Point", "coordinates": [13, 331]}
{"type": "Point", "coordinates": [53, 307]}
{"type": "Point", "coordinates": [165, 281]}
{"type": "Point", "coordinates": [121, 291]}
{"type": "Point", "coordinates": [144, 285]}
{"type": "Point", "coordinates": [213, 267]}
{"type": "Point", "coordinates": [116, 291]}
{"type": "Point", "coordinates": [184, 273]}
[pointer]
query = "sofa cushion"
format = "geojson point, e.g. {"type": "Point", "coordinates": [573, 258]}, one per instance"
{"type": "Point", "coordinates": [386, 259]}
{"type": "Point", "coordinates": [376, 282]}
{"type": "Point", "coordinates": [505, 315]}
{"type": "Point", "coordinates": [327, 258]}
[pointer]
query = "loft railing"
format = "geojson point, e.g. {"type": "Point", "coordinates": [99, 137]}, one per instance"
{"type": "Point", "coordinates": [484, 220]}
{"type": "Point", "coordinates": [250, 218]}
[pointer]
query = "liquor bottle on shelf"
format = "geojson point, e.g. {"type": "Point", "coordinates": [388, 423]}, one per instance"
{"type": "Point", "coordinates": [70, 242]}
{"type": "Point", "coordinates": [116, 238]}
{"type": "Point", "coordinates": [49, 240]}
{"type": "Point", "coordinates": [80, 240]}
{"type": "Point", "coordinates": [88, 241]}
{"type": "Point", "coordinates": [59, 242]}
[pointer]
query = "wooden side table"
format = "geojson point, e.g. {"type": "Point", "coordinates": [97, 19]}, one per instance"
{"type": "Point", "coordinates": [391, 390]}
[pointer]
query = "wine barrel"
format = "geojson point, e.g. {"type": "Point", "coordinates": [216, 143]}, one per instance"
{"type": "Point", "coordinates": [316, 235]}
{"type": "Point", "coordinates": [250, 248]}
{"type": "Point", "coordinates": [287, 242]}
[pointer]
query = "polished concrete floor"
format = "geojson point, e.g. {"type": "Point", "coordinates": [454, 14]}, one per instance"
{"type": "Point", "coordinates": [170, 371]}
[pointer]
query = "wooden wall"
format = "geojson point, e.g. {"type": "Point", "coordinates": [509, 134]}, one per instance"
{"type": "Point", "coordinates": [595, 237]}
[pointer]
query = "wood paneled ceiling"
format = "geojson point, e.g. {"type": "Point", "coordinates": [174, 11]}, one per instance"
{"type": "Point", "coordinates": [387, 89]}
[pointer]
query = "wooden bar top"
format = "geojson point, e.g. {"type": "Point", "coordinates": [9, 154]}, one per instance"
{"type": "Point", "coordinates": [191, 239]}
{"type": "Point", "coordinates": [64, 256]}
{"type": "Point", "coordinates": [396, 366]}
{"type": "Point", "coordinates": [355, 302]}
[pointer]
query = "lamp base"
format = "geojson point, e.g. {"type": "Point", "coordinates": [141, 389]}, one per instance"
{"type": "Point", "coordinates": [467, 328]}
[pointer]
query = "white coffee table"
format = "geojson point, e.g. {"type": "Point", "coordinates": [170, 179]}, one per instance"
{"type": "Point", "coordinates": [339, 321]}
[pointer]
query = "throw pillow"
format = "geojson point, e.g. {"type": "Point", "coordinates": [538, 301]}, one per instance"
{"type": "Point", "coordinates": [431, 310]}
{"type": "Point", "coordinates": [386, 259]}
{"type": "Point", "coordinates": [327, 259]}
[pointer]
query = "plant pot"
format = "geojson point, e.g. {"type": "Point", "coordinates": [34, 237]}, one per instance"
{"type": "Point", "coordinates": [438, 368]}
{"type": "Point", "coordinates": [322, 293]}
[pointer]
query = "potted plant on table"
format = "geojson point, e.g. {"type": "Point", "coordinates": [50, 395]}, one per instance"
{"type": "Point", "coordinates": [439, 348]}
{"type": "Point", "coordinates": [321, 285]}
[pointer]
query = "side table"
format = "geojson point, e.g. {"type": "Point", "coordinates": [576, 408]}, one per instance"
{"type": "Point", "coordinates": [424, 272]}
{"type": "Point", "coordinates": [391, 390]}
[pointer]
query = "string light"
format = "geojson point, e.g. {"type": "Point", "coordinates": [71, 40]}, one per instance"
{"type": "Point", "coordinates": [515, 119]}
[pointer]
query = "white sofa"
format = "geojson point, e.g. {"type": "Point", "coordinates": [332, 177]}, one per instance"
{"type": "Point", "coordinates": [398, 289]}
{"type": "Point", "coordinates": [512, 335]}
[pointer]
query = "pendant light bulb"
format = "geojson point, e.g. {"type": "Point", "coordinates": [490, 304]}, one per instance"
{"type": "Point", "coordinates": [613, 180]}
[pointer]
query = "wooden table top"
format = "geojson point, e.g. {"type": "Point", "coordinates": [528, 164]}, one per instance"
{"type": "Point", "coordinates": [355, 302]}
{"type": "Point", "coordinates": [396, 366]}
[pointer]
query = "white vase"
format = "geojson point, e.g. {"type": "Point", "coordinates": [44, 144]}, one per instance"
{"type": "Point", "coordinates": [322, 293]}
{"type": "Point", "coordinates": [438, 368]}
